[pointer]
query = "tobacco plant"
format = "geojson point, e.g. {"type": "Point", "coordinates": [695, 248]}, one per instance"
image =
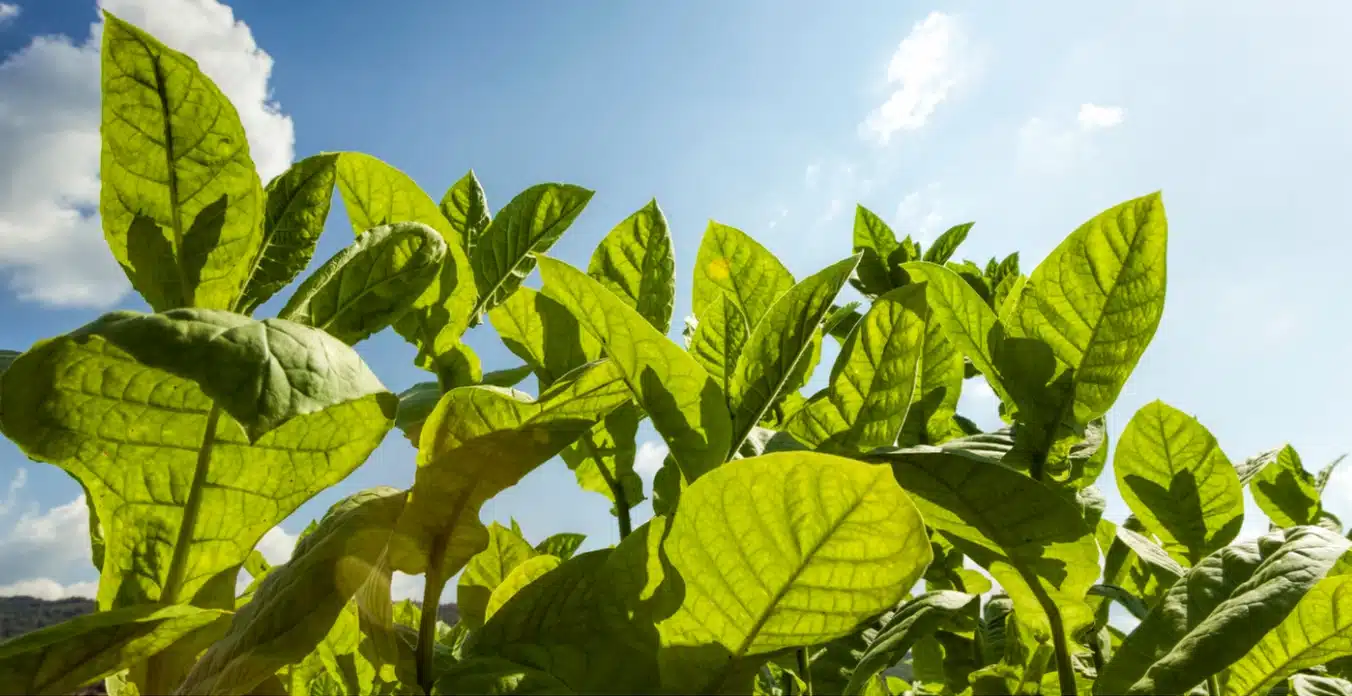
{"type": "Point", "coordinates": [802, 543]}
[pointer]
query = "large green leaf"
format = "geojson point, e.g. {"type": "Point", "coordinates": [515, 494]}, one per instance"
{"type": "Point", "coordinates": [876, 241]}
{"type": "Point", "coordinates": [376, 194]}
{"type": "Point", "coordinates": [1097, 299]}
{"type": "Point", "coordinates": [938, 386]}
{"type": "Point", "coordinates": [1178, 482]}
{"type": "Point", "coordinates": [298, 603]}
{"type": "Point", "coordinates": [636, 262]}
{"type": "Point", "coordinates": [528, 225]}
{"type": "Point", "coordinates": [947, 244]}
{"type": "Point", "coordinates": [684, 402]}
{"type": "Point", "coordinates": [1220, 610]}
{"type": "Point", "coordinates": [563, 544]}
{"type": "Point", "coordinates": [1285, 490]}
{"type": "Point", "coordinates": [874, 378]}
{"type": "Point", "coordinates": [466, 207]}
{"type": "Point", "coordinates": [543, 333]}
{"type": "Point", "coordinates": [733, 264]}
{"type": "Point", "coordinates": [370, 283]}
{"type": "Point", "coordinates": [479, 441]}
{"type": "Point", "coordinates": [1031, 538]}
{"type": "Point", "coordinates": [487, 569]}
{"type": "Point", "coordinates": [771, 361]}
{"type": "Point", "coordinates": [913, 621]}
{"type": "Point", "coordinates": [62, 658]}
{"type": "Point", "coordinates": [718, 340]}
{"type": "Point", "coordinates": [783, 550]}
{"type": "Point", "coordinates": [491, 675]}
{"type": "Point", "coordinates": [529, 571]}
{"type": "Point", "coordinates": [297, 207]}
{"type": "Point", "coordinates": [194, 433]}
{"type": "Point", "coordinates": [181, 204]}
{"type": "Point", "coordinates": [1317, 631]}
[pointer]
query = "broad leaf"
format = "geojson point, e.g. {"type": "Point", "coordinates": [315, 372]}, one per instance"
{"type": "Point", "coordinates": [466, 207]}
{"type": "Point", "coordinates": [62, 658]}
{"type": "Point", "coordinates": [415, 404]}
{"type": "Point", "coordinates": [181, 204]}
{"type": "Point", "coordinates": [508, 377]}
{"type": "Point", "coordinates": [718, 340]}
{"type": "Point", "coordinates": [1097, 299]}
{"type": "Point", "coordinates": [684, 403]}
{"type": "Point", "coordinates": [522, 575]}
{"type": "Point", "coordinates": [780, 551]}
{"type": "Point", "coordinates": [491, 675]}
{"type": "Point", "coordinates": [1178, 482]}
{"type": "Point", "coordinates": [733, 264]}
{"type": "Point", "coordinates": [1315, 685]}
{"type": "Point", "coordinates": [636, 262]}
{"type": "Point", "coordinates": [297, 206]}
{"type": "Point", "coordinates": [1031, 538]}
{"type": "Point", "coordinates": [543, 333]}
{"type": "Point", "coordinates": [563, 544]}
{"type": "Point", "coordinates": [479, 441]}
{"type": "Point", "coordinates": [770, 360]}
{"type": "Point", "coordinates": [298, 603]}
{"type": "Point", "coordinates": [1317, 631]}
{"type": "Point", "coordinates": [370, 283]}
{"type": "Point", "coordinates": [1286, 491]}
{"type": "Point", "coordinates": [938, 385]}
{"type": "Point", "coordinates": [1220, 610]}
{"type": "Point", "coordinates": [913, 621]}
{"type": "Point", "coordinates": [874, 378]}
{"type": "Point", "coordinates": [194, 433]}
{"type": "Point", "coordinates": [947, 244]}
{"type": "Point", "coordinates": [487, 569]}
{"type": "Point", "coordinates": [876, 241]}
{"type": "Point", "coordinates": [528, 225]}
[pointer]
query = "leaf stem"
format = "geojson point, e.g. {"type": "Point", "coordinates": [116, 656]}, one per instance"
{"type": "Point", "coordinates": [616, 487]}
{"type": "Point", "coordinates": [431, 605]}
{"type": "Point", "coordinates": [1213, 686]}
{"type": "Point", "coordinates": [1065, 673]}
{"type": "Point", "coordinates": [805, 671]}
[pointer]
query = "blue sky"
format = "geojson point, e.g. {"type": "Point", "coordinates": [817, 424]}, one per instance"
{"type": "Point", "coordinates": [774, 117]}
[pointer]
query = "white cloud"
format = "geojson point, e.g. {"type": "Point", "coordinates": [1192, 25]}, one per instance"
{"type": "Point", "coordinates": [920, 214]}
{"type": "Point", "coordinates": [8, 13]}
{"type": "Point", "coordinates": [12, 494]}
{"type": "Point", "coordinates": [44, 545]}
{"type": "Point", "coordinates": [649, 459]}
{"type": "Point", "coordinates": [1093, 116]}
{"type": "Point", "coordinates": [51, 241]}
{"type": "Point", "coordinates": [408, 587]}
{"type": "Point", "coordinates": [49, 589]}
{"type": "Point", "coordinates": [925, 68]}
{"type": "Point", "coordinates": [276, 545]}
{"type": "Point", "coordinates": [812, 175]}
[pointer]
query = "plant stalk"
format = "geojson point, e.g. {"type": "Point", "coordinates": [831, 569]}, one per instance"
{"type": "Point", "coordinates": [431, 604]}
{"type": "Point", "coordinates": [616, 488]}
{"type": "Point", "coordinates": [1064, 672]}
{"type": "Point", "coordinates": [1213, 686]}
{"type": "Point", "coordinates": [805, 671]}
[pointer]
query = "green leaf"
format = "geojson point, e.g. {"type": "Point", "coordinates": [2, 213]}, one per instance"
{"type": "Point", "coordinates": [487, 569]}
{"type": "Point", "coordinates": [509, 377]}
{"type": "Point", "coordinates": [636, 262]}
{"type": "Point", "coordinates": [684, 403]}
{"type": "Point", "coordinates": [719, 339]}
{"type": "Point", "coordinates": [1030, 538]}
{"type": "Point", "coordinates": [181, 204]}
{"type": "Point", "coordinates": [376, 194]}
{"type": "Point", "coordinates": [563, 544]}
{"type": "Point", "coordinates": [544, 334]}
{"type": "Point", "coordinates": [1156, 559]}
{"type": "Point", "coordinates": [1097, 299]}
{"type": "Point", "coordinates": [491, 675]}
{"type": "Point", "coordinates": [915, 620]}
{"type": "Point", "coordinates": [1321, 480]}
{"type": "Point", "coordinates": [298, 603]}
{"type": "Point", "coordinates": [415, 404]}
{"type": "Point", "coordinates": [733, 264]}
{"type": "Point", "coordinates": [1178, 482]}
{"type": "Point", "coordinates": [1220, 610]}
{"type": "Point", "coordinates": [62, 658]}
{"type": "Point", "coordinates": [528, 225]}
{"type": "Point", "coordinates": [1286, 491]}
{"type": "Point", "coordinates": [479, 441]}
{"type": "Point", "coordinates": [876, 241]}
{"type": "Point", "coordinates": [874, 378]}
{"type": "Point", "coordinates": [778, 344]}
{"type": "Point", "coordinates": [370, 283]}
{"type": "Point", "coordinates": [603, 458]}
{"type": "Point", "coordinates": [1133, 604]}
{"type": "Point", "coordinates": [297, 207]}
{"type": "Point", "coordinates": [780, 551]}
{"type": "Point", "coordinates": [947, 244]}
{"type": "Point", "coordinates": [466, 207]}
{"type": "Point", "coordinates": [524, 574]}
{"type": "Point", "coordinates": [1317, 631]}
{"type": "Point", "coordinates": [1315, 685]}
{"type": "Point", "coordinates": [938, 386]}
{"type": "Point", "coordinates": [194, 432]}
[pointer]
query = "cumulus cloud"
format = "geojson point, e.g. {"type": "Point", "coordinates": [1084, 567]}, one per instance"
{"type": "Point", "coordinates": [276, 545]}
{"type": "Point", "coordinates": [649, 459]}
{"type": "Point", "coordinates": [8, 13]}
{"type": "Point", "coordinates": [920, 214]}
{"type": "Point", "coordinates": [51, 242]}
{"type": "Point", "coordinates": [1093, 116]}
{"type": "Point", "coordinates": [49, 589]}
{"type": "Point", "coordinates": [925, 68]}
{"type": "Point", "coordinates": [40, 549]}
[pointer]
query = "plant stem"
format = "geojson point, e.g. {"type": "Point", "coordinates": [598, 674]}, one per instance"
{"type": "Point", "coordinates": [1213, 686]}
{"type": "Point", "coordinates": [431, 604]}
{"type": "Point", "coordinates": [805, 671]}
{"type": "Point", "coordinates": [616, 487]}
{"type": "Point", "coordinates": [1064, 672]}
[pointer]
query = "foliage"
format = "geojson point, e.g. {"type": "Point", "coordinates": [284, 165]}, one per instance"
{"type": "Point", "coordinates": [793, 531]}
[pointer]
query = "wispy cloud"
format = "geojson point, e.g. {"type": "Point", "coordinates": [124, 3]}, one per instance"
{"type": "Point", "coordinates": [1056, 145]}
{"type": "Point", "coordinates": [925, 68]}
{"type": "Point", "coordinates": [8, 13]}
{"type": "Point", "coordinates": [51, 240]}
{"type": "Point", "coordinates": [1094, 116]}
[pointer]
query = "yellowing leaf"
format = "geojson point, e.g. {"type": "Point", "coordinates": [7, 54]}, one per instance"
{"type": "Point", "coordinates": [733, 264]}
